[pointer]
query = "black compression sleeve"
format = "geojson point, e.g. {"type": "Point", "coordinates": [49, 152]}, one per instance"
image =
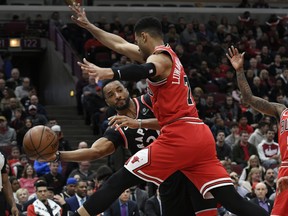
{"type": "Point", "coordinates": [134, 72]}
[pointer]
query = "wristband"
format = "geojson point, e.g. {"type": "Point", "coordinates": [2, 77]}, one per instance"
{"type": "Point", "coordinates": [57, 159]}
{"type": "Point", "coordinates": [139, 123]}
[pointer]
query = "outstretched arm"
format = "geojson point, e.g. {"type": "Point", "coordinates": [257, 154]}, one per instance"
{"type": "Point", "coordinates": [112, 41]}
{"type": "Point", "coordinates": [100, 148]}
{"type": "Point", "coordinates": [259, 104]}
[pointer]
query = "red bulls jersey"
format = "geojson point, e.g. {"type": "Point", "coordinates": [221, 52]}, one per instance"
{"type": "Point", "coordinates": [283, 135]}
{"type": "Point", "coordinates": [172, 97]}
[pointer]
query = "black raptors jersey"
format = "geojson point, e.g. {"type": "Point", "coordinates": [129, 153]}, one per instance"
{"type": "Point", "coordinates": [134, 139]}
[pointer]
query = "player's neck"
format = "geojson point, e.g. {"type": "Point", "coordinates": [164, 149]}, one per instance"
{"type": "Point", "coordinates": [130, 111]}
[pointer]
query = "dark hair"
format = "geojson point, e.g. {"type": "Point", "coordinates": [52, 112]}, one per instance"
{"type": "Point", "coordinates": [103, 173]}
{"type": "Point", "coordinates": [149, 24]}
{"type": "Point", "coordinates": [106, 82]}
{"type": "Point", "coordinates": [40, 184]}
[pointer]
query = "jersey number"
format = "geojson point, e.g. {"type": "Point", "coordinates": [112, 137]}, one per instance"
{"type": "Point", "coordinates": [189, 95]}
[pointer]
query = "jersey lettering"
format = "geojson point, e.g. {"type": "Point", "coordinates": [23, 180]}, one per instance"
{"type": "Point", "coordinates": [189, 95]}
{"type": "Point", "coordinates": [176, 73]}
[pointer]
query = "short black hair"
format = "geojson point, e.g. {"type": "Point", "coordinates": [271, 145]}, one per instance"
{"type": "Point", "coordinates": [149, 24]}
{"type": "Point", "coordinates": [40, 183]}
{"type": "Point", "coordinates": [106, 82]}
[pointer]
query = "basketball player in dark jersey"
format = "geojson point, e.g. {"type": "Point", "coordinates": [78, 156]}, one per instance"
{"type": "Point", "coordinates": [178, 194]}
{"type": "Point", "coordinates": [280, 112]}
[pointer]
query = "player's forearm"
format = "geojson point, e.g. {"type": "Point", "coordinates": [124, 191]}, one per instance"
{"type": "Point", "coordinates": [79, 155]}
{"type": "Point", "coordinates": [244, 86]}
{"type": "Point", "coordinates": [100, 148]}
{"type": "Point", "coordinates": [150, 124]}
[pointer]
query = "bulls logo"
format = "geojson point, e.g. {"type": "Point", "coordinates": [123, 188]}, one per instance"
{"type": "Point", "coordinates": [135, 159]}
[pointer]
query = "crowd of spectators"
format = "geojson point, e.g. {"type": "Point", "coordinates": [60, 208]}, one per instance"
{"type": "Point", "coordinates": [245, 140]}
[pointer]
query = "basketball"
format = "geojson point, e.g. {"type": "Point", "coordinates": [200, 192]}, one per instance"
{"type": "Point", "coordinates": [40, 142]}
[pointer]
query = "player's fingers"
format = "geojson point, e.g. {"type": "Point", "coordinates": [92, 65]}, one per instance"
{"type": "Point", "coordinates": [230, 52]}
{"type": "Point", "coordinates": [227, 55]}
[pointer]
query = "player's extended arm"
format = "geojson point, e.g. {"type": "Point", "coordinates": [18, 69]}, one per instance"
{"type": "Point", "coordinates": [100, 148]}
{"type": "Point", "coordinates": [7, 190]}
{"type": "Point", "coordinates": [158, 67]}
{"type": "Point", "coordinates": [259, 104]}
{"type": "Point", "coordinates": [118, 121]}
{"type": "Point", "coordinates": [112, 41]}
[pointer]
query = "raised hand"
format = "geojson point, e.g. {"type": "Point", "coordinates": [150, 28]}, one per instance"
{"type": "Point", "coordinates": [119, 121]}
{"type": "Point", "coordinates": [236, 58]}
{"type": "Point", "coordinates": [79, 17]}
{"type": "Point", "coordinates": [97, 72]}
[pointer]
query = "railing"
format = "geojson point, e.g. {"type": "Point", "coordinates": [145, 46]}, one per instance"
{"type": "Point", "coordinates": [61, 45]}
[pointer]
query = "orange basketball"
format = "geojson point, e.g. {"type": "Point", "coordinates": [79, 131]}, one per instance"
{"type": "Point", "coordinates": [40, 142]}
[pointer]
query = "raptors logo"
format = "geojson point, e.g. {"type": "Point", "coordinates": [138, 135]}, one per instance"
{"type": "Point", "coordinates": [135, 159]}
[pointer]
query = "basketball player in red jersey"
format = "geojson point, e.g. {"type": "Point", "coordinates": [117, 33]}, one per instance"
{"type": "Point", "coordinates": [280, 112]}
{"type": "Point", "coordinates": [185, 143]}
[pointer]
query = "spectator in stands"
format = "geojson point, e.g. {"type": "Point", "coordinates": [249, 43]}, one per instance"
{"type": "Point", "coordinates": [2, 86]}
{"type": "Point", "coordinates": [210, 110]}
{"type": "Point", "coordinates": [276, 68]}
{"type": "Point", "coordinates": [223, 150]}
{"type": "Point", "coordinates": [230, 111]}
{"type": "Point", "coordinates": [252, 162]}
{"type": "Point", "coordinates": [5, 101]}
{"type": "Point", "coordinates": [23, 90]}
{"type": "Point", "coordinates": [40, 108]}
{"type": "Point", "coordinates": [254, 177]}
{"type": "Point", "coordinates": [83, 171]}
{"type": "Point", "coordinates": [278, 89]}
{"type": "Point", "coordinates": [259, 134]}
{"type": "Point", "coordinates": [14, 158]}
{"type": "Point", "coordinates": [26, 101]}
{"type": "Point", "coordinates": [261, 199]}
{"type": "Point", "coordinates": [10, 111]}
{"type": "Point", "coordinates": [63, 143]}
{"type": "Point", "coordinates": [123, 206]}
{"type": "Point", "coordinates": [18, 169]}
{"type": "Point", "coordinates": [36, 118]}
{"type": "Point", "coordinates": [219, 125]}
{"type": "Point", "coordinates": [22, 131]}
{"type": "Point", "coordinates": [28, 178]}
{"type": "Point", "coordinates": [15, 185]}
{"type": "Point", "coordinates": [235, 179]}
{"type": "Point", "coordinates": [172, 35]}
{"type": "Point", "coordinates": [188, 37]}
{"type": "Point", "coordinates": [42, 205]}
{"type": "Point", "coordinates": [233, 138]}
{"type": "Point", "coordinates": [54, 179]}
{"type": "Point", "coordinates": [15, 79]}
{"type": "Point", "coordinates": [140, 197]}
{"type": "Point", "coordinates": [74, 202]}
{"type": "Point", "coordinates": [269, 180]}
{"type": "Point", "coordinates": [269, 151]}
{"type": "Point", "coordinates": [43, 168]}
{"type": "Point", "coordinates": [69, 188]}
{"type": "Point", "coordinates": [7, 134]}
{"type": "Point", "coordinates": [18, 122]}
{"type": "Point", "coordinates": [242, 151]}
{"type": "Point", "coordinates": [257, 88]}
{"type": "Point", "coordinates": [153, 205]}
{"type": "Point", "coordinates": [22, 197]}
{"type": "Point", "coordinates": [244, 126]}
{"type": "Point", "coordinates": [83, 81]}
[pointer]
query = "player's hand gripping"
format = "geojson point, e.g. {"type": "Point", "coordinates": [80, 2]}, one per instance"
{"type": "Point", "coordinates": [119, 121]}
{"type": "Point", "coordinates": [79, 17]}
{"type": "Point", "coordinates": [236, 58]}
{"type": "Point", "coordinates": [95, 71]}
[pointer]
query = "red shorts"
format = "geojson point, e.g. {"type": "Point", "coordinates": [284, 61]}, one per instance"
{"type": "Point", "coordinates": [187, 146]}
{"type": "Point", "coordinates": [280, 207]}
